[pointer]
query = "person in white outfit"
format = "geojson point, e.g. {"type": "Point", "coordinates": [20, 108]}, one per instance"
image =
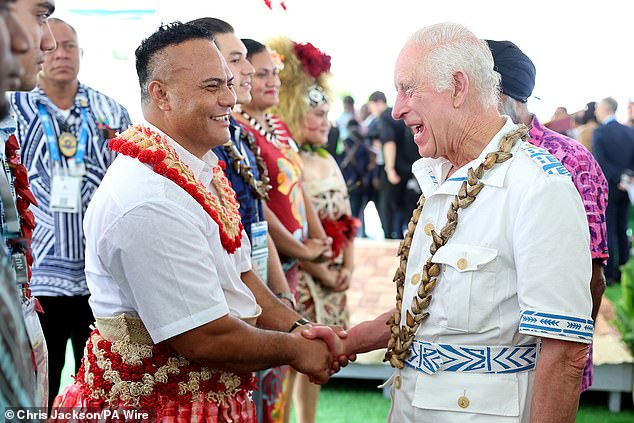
{"type": "Point", "coordinates": [492, 320]}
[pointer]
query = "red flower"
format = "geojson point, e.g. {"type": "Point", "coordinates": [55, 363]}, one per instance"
{"type": "Point", "coordinates": [11, 145]}
{"type": "Point", "coordinates": [133, 150]}
{"type": "Point", "coordinates": [222, 164]}
{"type": "Point", "coordinates": [171, 174]}
{"type": "Point", "coordinates": [199, 197]}
{"type": "Point", "coordinates": [145, 156]}
{"type": "Point", "coordinates": [159, 155]}
{"type": "Point", "coordinates": [181, 181]}
{"type": "Point", "coordinates": [115, 143]}
{"type": "Point", "coordinates": [160, 168]}
{"type": "Point", "coordinates": [191, 189]}
{"type": "Point", "coordinates": [314, 61]}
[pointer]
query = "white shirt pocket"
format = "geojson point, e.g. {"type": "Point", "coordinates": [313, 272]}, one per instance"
{"type": "Point", "coordinates": [469, 273]}
{"type": "Point", "coordinates": [473, 393]}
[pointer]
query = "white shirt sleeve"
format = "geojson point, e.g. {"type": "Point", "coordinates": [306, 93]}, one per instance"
{"type": "Point", "coordinates": [153, 253]}
{"type": "Point", "coordinates": [552, 254]}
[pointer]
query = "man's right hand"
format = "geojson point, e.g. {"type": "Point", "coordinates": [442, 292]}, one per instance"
{"type": "Point", "coordinates": [312, 358]}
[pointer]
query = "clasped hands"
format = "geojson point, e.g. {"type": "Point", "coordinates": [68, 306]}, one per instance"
{"type": "Point", "coordinates": [325, 352]}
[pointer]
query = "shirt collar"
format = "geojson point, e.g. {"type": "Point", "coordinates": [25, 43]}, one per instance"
{"type": "Point", "coordinates": [81, 98]}
{"type": "Point", "coordinates": [431, 174]}
{"type": "Point", "coordinates": [609, 119]}
{"type": "Point", "coordinates": [202, 169]}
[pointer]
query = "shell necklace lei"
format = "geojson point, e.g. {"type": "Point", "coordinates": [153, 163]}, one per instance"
{"type": "Point", "coordinates": [153, 149]}
{"type": "Point", "coordinates": [271, 135]}
{"type": "Point", "coordinates": [259, 187]}
{"type": "Point", "coordinates": [402, 337]}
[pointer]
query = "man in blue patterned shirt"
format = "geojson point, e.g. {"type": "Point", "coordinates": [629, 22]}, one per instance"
{"type": "Point", "coordinates": [63, 129]}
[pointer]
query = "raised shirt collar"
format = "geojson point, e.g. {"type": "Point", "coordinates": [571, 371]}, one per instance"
{"type": "Point", "coordinates": [431, 174]}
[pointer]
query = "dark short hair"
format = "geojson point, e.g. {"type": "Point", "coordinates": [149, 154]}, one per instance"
{"type": "Point", "coordinates": [253, 47]}
{"type": "Point", "coordinates": [213, 25]}
{"type": "Point", "coordinates": [166, 35]}
{"type": "Point", "coordinates": [348, 100]}
{"type": "Point", "coordinates": [377, 96]}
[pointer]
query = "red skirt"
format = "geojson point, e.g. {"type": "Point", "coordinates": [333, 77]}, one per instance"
{"type": "Point", "coordinates": [73, 406]}
{"type": "Point", "coordinates": [121, 381]}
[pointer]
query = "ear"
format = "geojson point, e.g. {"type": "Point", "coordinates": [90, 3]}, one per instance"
{"type": "Point", "coordinates": [460, 88]}
{"type": "Point", "coordinates": [158, 93]}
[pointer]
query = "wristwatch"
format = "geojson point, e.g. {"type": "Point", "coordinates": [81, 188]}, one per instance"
{"type": "Point", "coordinates": [300, 322]}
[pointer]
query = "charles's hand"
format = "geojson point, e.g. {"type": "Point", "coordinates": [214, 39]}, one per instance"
{"type": "Point", "coordinates": [313, 359]}
{"type": "Point", "coordinates": [334, 337]}
{"type": "Point", "coordinates": [343, 279]}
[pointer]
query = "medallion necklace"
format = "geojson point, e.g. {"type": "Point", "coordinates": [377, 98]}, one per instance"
{"type": "Point", "coordinates": [402, 337]}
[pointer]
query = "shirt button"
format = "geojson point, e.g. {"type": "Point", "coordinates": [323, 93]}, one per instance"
{"type": "Point", "coordinates": [463, 402]}
{"type": "Point", "coordinates": [462, 263]}
{"type": "Point", "coordinates": [397, 382]}
{"type": "Point", "coordinates": [428, 228]}
{"type": "Point", "coordinates": [415, 279]}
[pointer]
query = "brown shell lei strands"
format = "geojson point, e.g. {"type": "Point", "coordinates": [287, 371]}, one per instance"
{"type": "Point", "coordinates": [260, 187]}
{"type": "Point", "coordinates": [402, 337]}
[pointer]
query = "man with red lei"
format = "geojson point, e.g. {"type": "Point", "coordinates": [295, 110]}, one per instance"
{"type": "Point", "coordinates": [182, 320]}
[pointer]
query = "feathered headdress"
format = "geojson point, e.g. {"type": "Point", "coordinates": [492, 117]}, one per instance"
{"type": "Point", "coordinates": [304, 80]}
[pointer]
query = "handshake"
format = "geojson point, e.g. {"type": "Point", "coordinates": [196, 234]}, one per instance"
{"type": "Point", "coordinates": [322, 351]}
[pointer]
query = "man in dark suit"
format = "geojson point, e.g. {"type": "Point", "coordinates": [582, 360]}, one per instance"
{"type": "Point", "coordinates": [613, 147]}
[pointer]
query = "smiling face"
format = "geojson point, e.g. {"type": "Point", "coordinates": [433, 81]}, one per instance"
{"type": "Point", "coordinates": [62, 64]}
{"type": "Point", "coordinates": [32, 16]}
{"type": "Point", "coordinates": [315, 126]}
{"type": "Point", "coordinates": [194, 90]}
{"type": "Point", "coordinates": [266, 82]}
{"type": "Point", "coordinates": [235, 54]}
{"type": "Point", "coordinates": [424, 110]}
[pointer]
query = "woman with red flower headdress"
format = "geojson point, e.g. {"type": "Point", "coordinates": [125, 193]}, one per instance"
{"type": "Point", "coordinates": [304, 106]}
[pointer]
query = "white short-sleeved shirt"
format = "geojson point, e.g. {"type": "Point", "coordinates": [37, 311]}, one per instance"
{"type": "Point", "coordinates": [151, 250]}
{"type": "Point", "coordinates": [524, 273]}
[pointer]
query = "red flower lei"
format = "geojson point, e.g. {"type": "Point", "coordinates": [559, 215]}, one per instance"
{"type": "Point", "coordinates": [24, 198]}
{"type": "Point", "coordinates": [153, 149]}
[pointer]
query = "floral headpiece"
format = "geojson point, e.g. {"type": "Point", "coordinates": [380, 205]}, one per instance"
{"type": "Point", "coordinates": [314, 61]}
{"type": "Point", "coordinates": [278, 59]}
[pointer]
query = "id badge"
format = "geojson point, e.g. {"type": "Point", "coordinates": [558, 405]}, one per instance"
{"type": "Point", "coordinates": [40, 352]}
{"type": "Point", "coordinates": [260, 249]}
{"type": "Point", "coordinates": [66, 194]}
{"type": "Point", "coordinates": [74, 168]}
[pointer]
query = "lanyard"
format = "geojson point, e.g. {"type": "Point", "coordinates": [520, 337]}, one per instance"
{"type": "Point", "coordinates": [47, 123]}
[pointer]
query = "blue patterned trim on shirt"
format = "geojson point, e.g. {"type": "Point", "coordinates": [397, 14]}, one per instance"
{"type": "Point", "coordinates": [58, 239]}
{"type": "Point", "coordinates": [546, 161]}
{"type": "Point", "coordinates": [430, 358]}
{"type": "Point", "coordinates": [558, 325]}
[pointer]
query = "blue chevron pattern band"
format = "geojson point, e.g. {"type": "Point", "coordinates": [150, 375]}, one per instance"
{"type": "Point", "coordinates": [430, 358]}
{"type": "Point", "coordinates": [538, 323]}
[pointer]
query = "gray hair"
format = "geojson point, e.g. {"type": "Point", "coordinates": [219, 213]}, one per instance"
{"type": "Point", "coordinates": [450, 47]}
{"type": "Point", "coordinates": [611, 103]}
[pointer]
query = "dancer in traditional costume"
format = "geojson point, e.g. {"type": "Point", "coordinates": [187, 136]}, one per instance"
{"type": "Point", "coordinates": [304, 107]}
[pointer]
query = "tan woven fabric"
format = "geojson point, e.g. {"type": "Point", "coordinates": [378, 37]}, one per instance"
{"type": "Point", "coordinates": [131, 329]}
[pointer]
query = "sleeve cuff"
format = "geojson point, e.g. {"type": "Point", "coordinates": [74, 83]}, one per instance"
{"type": "Point", "coordinates": [558, 326]}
